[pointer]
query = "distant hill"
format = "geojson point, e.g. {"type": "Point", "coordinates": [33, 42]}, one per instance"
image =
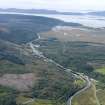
{"type": "Point", "coordinates": [98, 13]}
{"type": "Point", "coordinates": [45, 11]}
{"type": "Point", "coordinates": [39, 11]}
{"type": "Point", "coordinates": [22, 29]}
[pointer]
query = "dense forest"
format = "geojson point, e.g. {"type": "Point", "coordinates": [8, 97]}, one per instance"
{"type": "Point", "coordinates": [82, 57]}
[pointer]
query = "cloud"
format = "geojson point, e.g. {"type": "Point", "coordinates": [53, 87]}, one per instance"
{"type": "Point", "coordinates": [61, 5]}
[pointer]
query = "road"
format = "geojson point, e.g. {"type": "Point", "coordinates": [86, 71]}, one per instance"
{"type": "Point", "coordinates": [86, 78]}
{"type": "Point", "coordinates": [29, 101]}
{"type": "Point", "coordinates": [88, 85]}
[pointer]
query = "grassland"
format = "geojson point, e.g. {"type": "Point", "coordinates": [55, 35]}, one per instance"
{"type": "Point", "coordinates": [76, 34]}
{"type": "Point", "coordinates": [22, 99]}
{"type": "Point", "coordinates": [101, 96]}
{"type": "Point", "coordinates": [101, 70]}
{"type": "Point", "coordinates": [79, 82]}
{"type": "Point", "coordinates": [87, 97]}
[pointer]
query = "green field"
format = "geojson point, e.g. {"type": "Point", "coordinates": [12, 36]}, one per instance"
{"type": "Point", "coordinates": [101, 96]}
{"type": "Point", "coordinates": [101, 70]}
{"type": "Point", "coordinates": [22, 99]}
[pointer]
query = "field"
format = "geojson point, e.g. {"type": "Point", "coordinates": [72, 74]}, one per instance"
{"type": "Point", "coordinates": [87, 97]}
{"type": "Point", "coordinates": [29, 101]}
{"type": "Point", "coordinates": [101, 70]}
{"type": "Point", "coordinates": [76, 34]}
{"type": "Point", "coordinates": [101, 96]}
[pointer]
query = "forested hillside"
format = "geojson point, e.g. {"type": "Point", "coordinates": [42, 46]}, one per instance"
{"type": "Point", "coordinates": [22, 29]}
{"type": "Point", "coordinates": [22, 73]}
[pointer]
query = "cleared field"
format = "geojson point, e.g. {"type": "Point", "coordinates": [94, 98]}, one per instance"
{"type": "Point", "coordinates": [76, 34]}
{"type": "Point", "coordinates": [21, 82]}
{"type": "Point", "coordinates": [87, 97]}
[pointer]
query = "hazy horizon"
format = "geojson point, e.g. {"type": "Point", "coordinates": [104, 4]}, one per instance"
{"type": "Point", "coordinates": [58, 5]}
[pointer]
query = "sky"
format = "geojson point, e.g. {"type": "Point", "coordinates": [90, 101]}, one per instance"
{"type": "Point", "coordinates": [59, 5]}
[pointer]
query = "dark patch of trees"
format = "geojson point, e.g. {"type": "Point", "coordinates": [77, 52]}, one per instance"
{"type": "Point", "coordinates": [22, 29]}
